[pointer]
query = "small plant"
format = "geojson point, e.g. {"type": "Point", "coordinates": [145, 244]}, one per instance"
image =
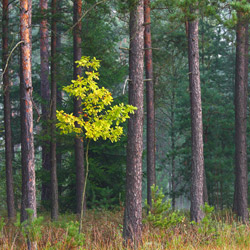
{"type": "Point", "coordinates": [160, 214]}
{"type": "Point", "coordinates": [31, 228]}
{"type": "Point", "coordinates": [72, 236]}
{"type": "Point", "coordinates": [208, 225]}
{"type": "Point", "coordinates": [2, 224]}
{"type": "Point", "coordinates": [97, 118]}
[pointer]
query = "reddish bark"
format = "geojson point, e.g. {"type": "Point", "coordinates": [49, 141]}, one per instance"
{"type": "Point", "coordinates": [27, 139]}
{"type": "Point", "coordinates": [79, 151]}
{"type": "Point", "coordinates": [151, 178]}
{"type": "Point", "coordinates": [54, 182]}
{"type": "Point", "coordinates": [133, 205]}
{"type": "Point", "coordinates": [7, 115]}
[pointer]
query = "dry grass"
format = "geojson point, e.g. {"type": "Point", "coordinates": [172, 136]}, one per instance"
{"type": "Point", "coordinates": [103, 231]}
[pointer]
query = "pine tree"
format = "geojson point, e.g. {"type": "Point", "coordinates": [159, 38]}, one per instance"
{"type": "Point", "coordinates": [45, 94]}
{"type": "Point", "coordinates": [151, 178]}
{"type": "Point", "coordinates": [241, 83]}
{"type": "Point", "coordinates": [133, 203]}
{"type": "Point", "coordinates": [196, 118]}
{"type": "Point", "coordinates": [26, 106]}
{"type": "Point", "coordinates": [54, 183]}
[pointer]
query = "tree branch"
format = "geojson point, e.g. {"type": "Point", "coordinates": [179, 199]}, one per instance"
{"type": "Point", "coordinates": [7, 62]}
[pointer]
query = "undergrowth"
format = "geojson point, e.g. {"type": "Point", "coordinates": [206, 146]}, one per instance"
{"type": "Point", "coordinates": [102, 230]}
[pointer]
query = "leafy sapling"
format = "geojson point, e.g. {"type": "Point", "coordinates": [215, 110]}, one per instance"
{"type": "Point", "coordinates": [98, 118]}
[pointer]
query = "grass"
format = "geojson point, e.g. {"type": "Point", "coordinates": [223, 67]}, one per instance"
{"type": "Point", "coordinates": [103, 231]}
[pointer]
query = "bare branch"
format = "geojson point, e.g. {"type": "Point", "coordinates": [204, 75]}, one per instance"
{"type": "Point", "coordinates": [7, 62]}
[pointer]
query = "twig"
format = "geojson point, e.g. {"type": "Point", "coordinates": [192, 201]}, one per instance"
{"type": "Point", "coordinates": [124, 48]}
{"type": "Point", "coordinates": [85, 184]}
{"type": "Point", "coordinates": [37, 111]}
{"type": "Point", "coordinates": [86, 12]}
{"type": "Point", "coordinates": [125, 84]}
{"type": "Point", "coordinates": [7, 62]}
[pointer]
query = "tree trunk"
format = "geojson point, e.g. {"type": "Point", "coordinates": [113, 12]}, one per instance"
{"type": "Point", "coordinates": [241, 81]}
{"type": "Point", "coordinates": [45, 94]}
{"type": "Point", "coordinates": [151, 177]}
{"type": "Point", "coordinates": [196, 123]}
{"type": "Point", "coordinates": [172, 120]}
{"type": "Point", "coordinates": [54, 184]}
{"type": "Point", "coordinates": [59, 106]}
{"type": "Point", "coordinates": [7, 116]}
{"type": "Point", "coordinates": [79, 152]}
{"type": "Point", "coordinates": [133, 203]}
{"type": "Point", "coordinates": [27, 139]}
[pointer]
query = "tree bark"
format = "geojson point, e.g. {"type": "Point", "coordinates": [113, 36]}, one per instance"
{"type": "Point", "coordinates": [196, 123]}
{"type": "Point", "coordinates": [151, 176]}
{"type": "Point", "coordinates": [45, 94]}
{"type": "Point", "coordinates": [27, 139]}
{"type": "Point", "coordinates": [7, 115]}
{"type": "Point", "coordinates": [59, 99]}
{"type": "Point", "coordinates": [79, 151]}
{"type": "Point", "coordinates": [133, 203]}
{"type": "Point", "coordinates": [54, 183]}
{"type": "Point", "coordinates": [241, 82]}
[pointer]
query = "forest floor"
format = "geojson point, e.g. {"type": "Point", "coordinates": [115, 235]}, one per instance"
{"type": "Point", "coordinates": [102, 230]}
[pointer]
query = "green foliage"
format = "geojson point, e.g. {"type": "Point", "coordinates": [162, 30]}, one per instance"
{"type": "Point", "coordinates": [32, 227]}
{"type": "Point", "coordinates": [160, 214]}
{"type": "Point", "coordinates": [208, 225]}
{"type": "Point", "coordinates": [95, 120]}
{"type": "Point", "coordinates": [2, 224]}
{"type": "Point", "coordinates": [241, 6]}
{"type": "Point", "coordinates": [72, 236]}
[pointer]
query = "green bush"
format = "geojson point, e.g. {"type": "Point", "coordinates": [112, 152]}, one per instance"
{"type": "Point", "coordinates": [160, 213]}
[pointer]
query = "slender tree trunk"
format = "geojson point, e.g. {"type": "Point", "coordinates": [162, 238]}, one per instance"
{"type": "Point", "coordinates": [7, 115]}
{"type": "Point", "coordinates": [79, 152]}
{"type": "Point", "coordinates": [133, 204]}
{"type": "Point", "coordinates": [205, 192]}
{"type": "Point", "coordinates": [241, 81]}
{"type": "Point", "coordinates": [59, 146]}
{"type": "Point", "coordinates": [173, 149]}
{"type": "Point", "coordinates": [151, 176]}
{"type": "Point", "coordinates": [54, 184]}
{"type": "Point", "coordinates": [196, 123]}
{"type": "Point", "coordinates": [26, 110]}
{"type": "Point", "coordinates": [59, 105]}
{"type": "Point", "coordinates": [45, 94]}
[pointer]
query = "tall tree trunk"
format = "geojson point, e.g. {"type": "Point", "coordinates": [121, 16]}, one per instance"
{"type": "Point", "coordinates": [241, 82]}
{"type": "Point", "coordinates": [205, 192]}
{"type": "Point", "coordinates": [27, 139]}
{"type": "Point", "coordinates": [133, 203]}
{"type": "Point", "coordinates": [151, 177]}
{"type": "Point", "coordinates": [196, 123]}
{"type": "Point", "coordinates": [172, 120]}
{"type": "Point", "coordinates": [59, 105]}
{"type": "Point", "coordinates": [54, 184]}
{"type": "Point", "coordinates": [7, 115]}
{"type": "Point", "coordinates": [45, 94]}
{"type": "Point", "coordinates": [79, 152]}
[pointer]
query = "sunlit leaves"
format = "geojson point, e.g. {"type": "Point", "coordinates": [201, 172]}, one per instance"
{"type": "Point", "coordinates": [97, 118]}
